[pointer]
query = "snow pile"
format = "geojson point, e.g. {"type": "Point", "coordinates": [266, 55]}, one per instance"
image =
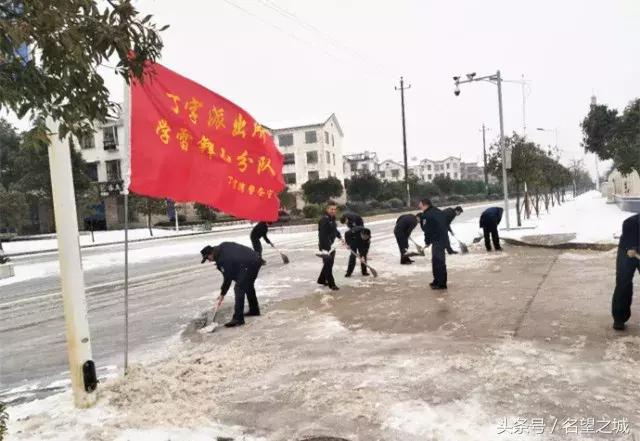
{"type": "Point", "coordinates": [588, 216]}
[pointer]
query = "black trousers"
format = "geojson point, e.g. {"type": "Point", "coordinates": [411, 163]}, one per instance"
{"type": "Point", "coordinates": [245, 286]}
{"type": "Point", "coordinates": [622, 295]}
{"type": "Point", "coordinates": [326, 275]}
{"type": "Point", "coordinates": [439, 264]}
{"type": "Point", "coordinates": [495, 237]}
{"type": "Point", "coordinates": [257, 246]}
{"type": "Point", "coordinates": [361, 249]}
{"type": "Point", "coordinates": [403, 245]}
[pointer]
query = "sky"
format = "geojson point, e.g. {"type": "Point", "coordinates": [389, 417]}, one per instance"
{"type": "Point", "coordinates": [302, 59]}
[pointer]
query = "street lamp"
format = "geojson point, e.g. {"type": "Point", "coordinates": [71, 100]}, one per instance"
{"type": "Point", "coordinates": [555, 130]}
{"type": "Point", "coordinates": [497, 80]}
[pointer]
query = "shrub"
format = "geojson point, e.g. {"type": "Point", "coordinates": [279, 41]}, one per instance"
{"type": "Point", "coordinates": [386, 205]}
{"type": "Point", "coordinates": [396, 202]}
{"type": "Point", "coordinates": [374, 204]}
{"type": "Point", "coordinates": [311, 211]}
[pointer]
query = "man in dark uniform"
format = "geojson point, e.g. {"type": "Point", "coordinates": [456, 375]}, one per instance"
{"type": "Point", "coordinates": [489, 221]}
{"type": "Point", "coordinates": [258, 232]}
{"type": "Point", "coordinates": [404, 226]}
{"type": "Point", "coordinates": [359, 239]}
{"type": "Point", "coordinates": [434, 225]}
{"type": "Point", "coordinates": [327, 234]}
{"type": "Point", "coordinates": [352, 220]}
{"type": "Point", "coordinates": [626, 267]}
{"type": "Point", "coordinates": [450, 214]}
{"type": "Point", "coordinates": [239, 264]}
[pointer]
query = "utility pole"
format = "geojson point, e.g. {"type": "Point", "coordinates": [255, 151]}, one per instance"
{"type": "Point", "coordinates": [404, 139]}
{"type": "Point", "coordinates": [484, 154]}
{"type": "Point", "coordinates": [81, 365]}
{"type": "Point", "coordinates": [506, 155]}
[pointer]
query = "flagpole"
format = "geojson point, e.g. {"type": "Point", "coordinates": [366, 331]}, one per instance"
{"type": "Point", "coordinates": [125, 189]}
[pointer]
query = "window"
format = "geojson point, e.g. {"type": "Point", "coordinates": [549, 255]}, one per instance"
{"type": "Point", "coordinates": [448, 166]}
{"type": "Point", "coordinates": [326, 137]}
{"type": "Point", "coordinates": [289, 158]}
{"type": "Point", "coordinates": [110, 138]}
{"type": "Point", "coordinates": [92, 171]}
{"type": "Point", "coordinates": [289, 178]}
{"type": "Point", "coordinates": [332, 140]}
{"type": "Point", "coordinates": [113, 170]}
{"type": "Point", "coordinates": [310, 137]}
{"type": "Point", "coordinates": [365, 168]}
{"type": "Point", "coordinates": [353, 166]}
{"type": "Point", "coordinates": [87, 142]}
{"type": "Point", "coordinates": [314, 175]}
{"type": "Point", "coordinates": [334, 158]}
{"type": "Point", "coordinates": [285, 140]}
{"type": "Point", "coordinates": [312, 157]}
{"type": "Point", "coordinates": [395, 173]}
{"type": "Point", "coordinates": [455, 176]}
{"type": "Point", "coordinates": [429, 167]}
{"type": "Point", "coordinates": [328, 158]}
{"type": "Point", "coordinates": [429, 177]}
{"type": "Point", "coordinates": [381, 174]}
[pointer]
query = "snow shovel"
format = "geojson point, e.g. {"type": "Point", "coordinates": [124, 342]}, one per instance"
{"type": "Point", "coordinates": [374, 273]}
{"type": "Point", "coordinates": [463, 248]}
{"type": "Point", "coordinates": [212, 326]}
{"type": "Point", "coordinates": [285, 258]}
{"type": "Point", "coordinates": [418, 247]}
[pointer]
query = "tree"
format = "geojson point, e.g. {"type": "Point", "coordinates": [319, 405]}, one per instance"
{"type": "Point", "coordinates": [444, 183]}
{"type": "Point", "coordinates": [205, 212]}
{"type": "Point", "coordinates": [613, 136]}
{"type": "Point", "coordinates": [147, 206]}
{"type": "Point", "coordinates": [364, 186]}
{"type": "Point", "coordinates": [13, 209]}
{"type": "Point", "coordinates": [319, 191]}
{"type": "Point", "coordinates": [9, 147]}
{"type": "Point", "coordinates": [287, 199]}
{"type": "Point", "coordinates": [67, 41]}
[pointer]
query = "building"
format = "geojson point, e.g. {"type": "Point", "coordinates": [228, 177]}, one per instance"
{"type": "Point", "coordinates": [360, 163]}
{"type": "Point", "coordinates": [391, 171]}
{"type": "Point", "coordinates": [624, 190]}
{"type": "Point", "coordinates": [471, 171]}
{"type": "Point", "coordinates": [428, 169]}
{"type": "Point", "coordinates": [311, 149]}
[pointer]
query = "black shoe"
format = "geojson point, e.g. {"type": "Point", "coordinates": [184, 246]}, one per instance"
{"type": "Point", "coordinates": [438, 287]}
{"type": "Point", "coordinates": [348, 275]}
{"type": "Point", "coordinates": [322, 283]}
{"type": "Point", "coordinates": [453, 252]}
{"type": "Point", "coordinates": [365, 274]}
{"type": "Point", "coordinates": [263, 262]}
{"type": "Point", "coordinates": [499, 249]}
{"type": "Point", "coordinates": [233, 323]}
{"type": "Point", "coordinates": [252, 314]}
{"type": "Point", "coordinates": [619, 326]}
{"type": "Point", "coordinates": [406, 262]}
{"type": "Point", "coordinates": [334, 288]}
{"type": "Point", "coordinates": [489, 250]}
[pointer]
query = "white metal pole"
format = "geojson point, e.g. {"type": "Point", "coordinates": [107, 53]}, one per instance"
{"type": "Point", "coordinates": [524, 108]}
{"type": "Point", "coordinates": [175, 215]}
{"type": "Point", "coordinates": [71, 275]}
{"type": "Point", "coordinates": [125, 190]}
{"type": "Point", "coordinates": [504, 151]}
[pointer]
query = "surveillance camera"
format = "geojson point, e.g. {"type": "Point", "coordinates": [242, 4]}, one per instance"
{"type": "Point", "coordinates": [456, 79]}
{"type": "Point", "coordinates": [456, 91]}
{"type": "Point", "coordinates": [470, 76]}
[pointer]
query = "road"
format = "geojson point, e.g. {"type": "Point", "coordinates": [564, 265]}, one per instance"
{"type": "Point", "coordinates": [166, 293]}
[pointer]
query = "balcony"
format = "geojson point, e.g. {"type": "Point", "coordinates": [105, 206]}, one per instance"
{"type": "Point", "coordinates": [113, 187]}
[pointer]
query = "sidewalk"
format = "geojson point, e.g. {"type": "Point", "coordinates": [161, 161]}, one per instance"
{"type": "Point", "coordinates": [520, 335]}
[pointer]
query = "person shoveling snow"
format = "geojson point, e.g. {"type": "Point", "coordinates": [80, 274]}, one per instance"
{"type": "Point", "coordinates": [241, 265]}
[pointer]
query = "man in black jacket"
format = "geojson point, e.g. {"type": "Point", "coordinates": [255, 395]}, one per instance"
{"type": "Point", "coordinates": [489, 220]}
{"type": "Point", "coordinates": [359, 239]}
{"type": "Point", "coordinates": [239, 264]}
{"type": "Point", "coordinates": [626, 267]}
{"type": "Point", "coordinates": [258, 232]}
{"type": "Point", "coordinates": [434, 225]}
{"type": "Point", "coordinates": [450, 214]}
{"type": "Point", "coordinates": [402, 231]}
{"type": "Point", "coordinates": [352, 220]}
{"type": "Point", "coordinates": [327, 234]}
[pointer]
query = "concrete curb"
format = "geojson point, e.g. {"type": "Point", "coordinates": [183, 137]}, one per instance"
{"type": "Point", "coordinates": [564, 246]}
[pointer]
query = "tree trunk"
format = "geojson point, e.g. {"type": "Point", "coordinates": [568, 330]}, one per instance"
{"type": "Point", "coordinates": [518, 203]}
{"type": "Point", "coordinates": [527, 207]}
{"type": "Point", "coordinates": [537, 203]}
{"type": "Point", "coordinates": [93, 239]}
{"type": "Point", "coordinates": [149, 218]}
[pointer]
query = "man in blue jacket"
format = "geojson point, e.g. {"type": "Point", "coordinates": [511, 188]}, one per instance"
{"type": "Point", "coordinates": [626, 267]}
{"type": "Point", "coordinates": [239, 264]}
{"type": "Point", "coordinates": [489, 221]}
{"type": "Point", "coordinates": [434, 224]}
{"type": "Point", "coordinates": [327, 234]}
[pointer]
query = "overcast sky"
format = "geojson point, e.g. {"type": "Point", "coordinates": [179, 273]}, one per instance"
{"type": "Point", "coordinates": [289, 60]}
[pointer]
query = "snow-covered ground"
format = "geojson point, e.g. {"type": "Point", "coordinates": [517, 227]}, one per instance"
{"type": "Point", "coordinates": [105, 237]}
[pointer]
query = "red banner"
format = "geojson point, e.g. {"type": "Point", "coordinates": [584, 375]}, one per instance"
{"type": "Point", "coordinates": [190, 144]}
